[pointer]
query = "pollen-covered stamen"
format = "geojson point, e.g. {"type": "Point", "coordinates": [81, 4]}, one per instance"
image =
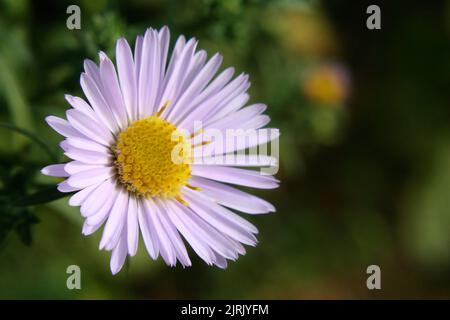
{"type": "Point", "coordinates": [193, 187]}
{"type": "Point", "coordinates": [197, 133]}
{"type": "Point", "coordinates": [162, 108]}
{"type": "Point", "coordinates": [145, 160]}
{"type": "Point", "coordinates": [203, 143]}
{"type": "Point", "coordinates": [180, 200]}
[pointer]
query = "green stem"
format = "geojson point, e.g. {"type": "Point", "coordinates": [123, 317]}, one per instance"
{"type": "Point", "coordinates": [15, 100]}
{"type": "Point", "coordinates": [33, 137]}
{"type": "Point", "coordinates": [42, 196]}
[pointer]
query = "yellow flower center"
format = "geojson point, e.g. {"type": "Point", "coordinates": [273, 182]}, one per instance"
{"type": "Point", "coordinates": [150, 158]}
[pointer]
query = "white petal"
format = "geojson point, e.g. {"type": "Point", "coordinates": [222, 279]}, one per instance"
{"type": "Point", "coordinates": [102, 214]}
{"type": "Point", "coordinates": [89, 177]}
{"type": "Point", "coordinates": [221, 218]}
{"type": "Point", "coordinates": [55, 170]}
{"type": "Point", "coordinates": [93, 72]}
{"type": "Point", "coordinates": [64, 146]}
{"type": "Point", "coordinates": [154, 69]}
{"type": "Point", "coordinates": [239, 160]}
{"type": "Point", "coordinates": [198, 84]}
{"type": "Point", "coordinates": [137, 68]}
{"type": "Point", "coordinates": [199, 246]}
{"type": "Point", "coordinates": [164, 42]}
{"type": "Point", "coordinates": [127, 77]}
{"type": "Point", "coordinates": [149, 74]}
{"type": "Point", "coordinates": [232, 197]}
{"type": "Point", "coordinates": [220, 261]}
{"type": "Point", "coordinates": [63, 127]}
{"type": "Point", "coordinates": [78, 198]}
{"type": "Point", "coordinates": [165, 244]}
{"type": "Point", "coordinates": [179, 45]}
{"type": "Point", "coordinates": [116, 221]}
{"type": "Point", "coordinates": [86, 156]}
{"type": "Point", "coordinates": [210, 235]}
{"type": "Point", "coordinates": [256, 122]}
{"type": "Point", "coordinates": [215, 86]}
{"type": "Point", "coordinates": [82, 123]}
{"type": "Point", "coordinates": [112, 93]}
{"type": "Point", "coordinates": [175, 239]}
{"type": "Point", "coordinates": [213, 104]}
{"type": "Point", "coordinates": [196, 62]}
{"type": "Point", "coordinates": [243, 177]}
{"type": "Point", "coordinates": [87, 229]}
{"type": "Point", "coordinates": [73, 167]}
{"type": "Point", "coordinates": [65, 187]}
{"type": "Point", "coordinates": [87, 145]}
{"type": "Point", "coordinates": [98, 103]}
{"type": "Point", "coordinates": [119, 254]}
{"type": "Point", "coordinates": [97, 198]}
{"type": "Point", "coordinates": [132, 227]}
{"type": "Point", "coordinates": [229, 109]}
{"type": "Point", "coordinates": [149, 233]}
{"type": "Point", "coordinates": [82, 106]}
{"type": "Point", "coordinates": [234, 89]}
{"type": "Point", "coordinates": [248, 139]}
{"type": "Point", "coordinates": [238, 118]}
{"type": "Point", "coordinates": [176, 78]}
{"type": "Point", "coordinates": [240, 249]}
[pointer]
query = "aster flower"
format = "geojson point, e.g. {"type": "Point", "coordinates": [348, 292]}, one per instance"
{"type": "Point", "coordinates": [121, 142]}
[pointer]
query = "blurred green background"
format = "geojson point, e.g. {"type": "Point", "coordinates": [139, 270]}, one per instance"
{"type": "Point", "coordinates": [365, 147]}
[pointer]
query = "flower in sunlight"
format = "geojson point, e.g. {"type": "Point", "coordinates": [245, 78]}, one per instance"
{"type": "Point", "coordinates": [121, 144]}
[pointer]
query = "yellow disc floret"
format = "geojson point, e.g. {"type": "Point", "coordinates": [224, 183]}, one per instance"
{"type": "Point", "coordinates": [148, 157]}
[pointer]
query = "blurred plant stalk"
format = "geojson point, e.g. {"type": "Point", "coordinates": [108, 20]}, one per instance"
{"type": "Point", "coordinates": [17, 105]}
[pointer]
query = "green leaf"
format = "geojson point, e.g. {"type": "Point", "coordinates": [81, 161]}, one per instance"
{"type": "Point", "coordinates": [40, 197]}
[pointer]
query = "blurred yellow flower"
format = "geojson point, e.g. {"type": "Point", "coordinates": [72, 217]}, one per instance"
{"type": "Point", "coordinates": [326, 85]}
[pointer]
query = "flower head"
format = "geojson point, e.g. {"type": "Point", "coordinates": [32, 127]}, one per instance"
{"type": "Point", "coordinates": [138, 162]}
